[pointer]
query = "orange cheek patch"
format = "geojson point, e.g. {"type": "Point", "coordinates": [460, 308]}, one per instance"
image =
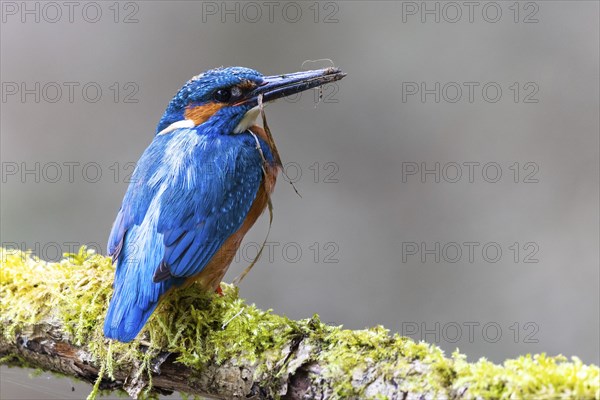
{"type": "Point", "coordinates": [202, 113]}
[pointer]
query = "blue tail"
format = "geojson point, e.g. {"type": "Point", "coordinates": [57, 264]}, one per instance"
{"type": "Point", "coordinates": [132, 303]}
{"type": "Point", "coordinates": [124, 321]}
{"type": "Point", "coordinates": [135, 295]}
{"type": "Point", "coordinates": [128, 311]}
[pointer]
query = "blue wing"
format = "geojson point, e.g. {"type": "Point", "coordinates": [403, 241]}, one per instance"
{"type": "Point", "coordinates": [198, 218]}
{"type": "Point", "coordinates": [188, 194]}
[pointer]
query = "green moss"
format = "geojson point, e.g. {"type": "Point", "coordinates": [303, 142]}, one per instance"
{"type": "Point", "coordinates": [202, 327]}
{"type": "Point", "coordinates": [529, 377]}
{"type": "Point", "coordinates": [349, 354]}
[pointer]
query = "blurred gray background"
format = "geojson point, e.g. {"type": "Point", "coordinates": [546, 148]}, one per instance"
{"type": "Point", "coordinates": [495, 265]}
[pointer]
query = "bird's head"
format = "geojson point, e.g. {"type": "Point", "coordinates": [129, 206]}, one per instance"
{"type": "Point", "coordinates": [225, 100]}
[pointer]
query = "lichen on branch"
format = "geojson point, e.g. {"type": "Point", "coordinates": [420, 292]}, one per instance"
{"type": "Point", "coordinates": [201, 343]}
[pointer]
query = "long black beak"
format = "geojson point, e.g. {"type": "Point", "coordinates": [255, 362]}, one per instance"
{"type": "Point", "coordinates": [277, 86]}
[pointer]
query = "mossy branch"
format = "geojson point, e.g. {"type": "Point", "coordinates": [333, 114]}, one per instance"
{"type": "Point", "coordinates": [203, 344]}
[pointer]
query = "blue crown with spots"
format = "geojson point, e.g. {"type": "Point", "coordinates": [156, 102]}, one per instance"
{"type": "Point", "coordinates": [201, 88]}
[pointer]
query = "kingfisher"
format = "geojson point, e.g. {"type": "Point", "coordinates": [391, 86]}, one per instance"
{"type": "Point", "coordinates": [197, 189]}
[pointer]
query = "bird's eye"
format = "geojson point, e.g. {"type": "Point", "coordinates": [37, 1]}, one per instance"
{"type": "Point", "coordinates": [222, 95]}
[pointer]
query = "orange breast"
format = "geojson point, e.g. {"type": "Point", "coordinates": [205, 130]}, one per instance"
{"type": "Point", "coordinates": [213, 273]}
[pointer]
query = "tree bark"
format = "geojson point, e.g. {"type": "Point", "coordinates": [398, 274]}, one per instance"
{"type": "Point", "coordinates": [219, 347]}
{"type": "Point", "coordinates": [44, 345]}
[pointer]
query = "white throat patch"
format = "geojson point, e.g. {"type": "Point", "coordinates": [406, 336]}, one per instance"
{"type": "Point", "coordinates": [248, 120]}
{"type": "Point", "coordinates": [184, 123]}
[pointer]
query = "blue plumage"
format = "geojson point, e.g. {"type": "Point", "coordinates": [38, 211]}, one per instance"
{"type": "Point", "coordinates": [189, 193]}
{"type": "Point", "coordinates": [193, 188]}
